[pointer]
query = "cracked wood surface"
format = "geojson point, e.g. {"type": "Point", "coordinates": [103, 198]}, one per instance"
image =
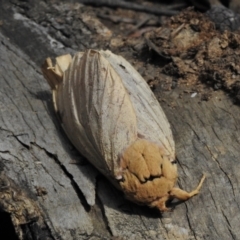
{"type": "Point", "coordinates": [76, 202]}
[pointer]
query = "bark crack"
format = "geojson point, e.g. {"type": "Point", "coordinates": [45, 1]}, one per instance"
{"type": "Point", "coordinates": [22, 115]}
{"type": "Point", "coordinates": [69, 175]}
{"type": "Point", "coordinates": [213, 199]}
{"type": "Point", "coordinates": [215, 159]}
{"type": "Point", "coordinates": [16, 137]}
{"type": "Point", "coordinates": [105, 219]}
{"type": "Point", "coordinates": [221, 168]}
{"type": "Point", "coordinates": [189, 223]}
{"type": "Point", "coordinates": [229, 225]}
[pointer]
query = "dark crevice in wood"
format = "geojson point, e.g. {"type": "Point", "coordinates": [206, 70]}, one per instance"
{"type": "Point", "coordinates": [74, 184]}
{"type": "Point", "coordinates": [22, 143]}
{"type": "Point", "coordinates": [101, 206]}
{"type": "Point", "coordinates": [49, 230]}
{"type": "Point", "coordinates": [6, 227]}
{"type": "Point", "coordinates": [22, 115]}
{"type": "Point", "coordinates": [222, 169]}
{"type": "Point", "coordinates": [16, 137]}
{"type": "Point", "coordinates": [229, 226]}
{"type": "Point", "coordinates": [32, 231]}
{"type": "Point", "coordinates": [189, 223]}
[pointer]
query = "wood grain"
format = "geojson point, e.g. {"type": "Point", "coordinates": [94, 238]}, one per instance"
{"type": "Point", "coordinates": [74, 200]}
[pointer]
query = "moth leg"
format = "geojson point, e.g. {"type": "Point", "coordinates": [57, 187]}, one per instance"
{"type": "Point", "coordinates": [161, 204]}
{"type": "Point", "coordinates": [183, 195]}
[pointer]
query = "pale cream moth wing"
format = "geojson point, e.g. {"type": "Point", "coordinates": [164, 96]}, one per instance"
{"type": "Point", "coordinates": [100, 105]}
{"type": "Point", "coordinates": [65, 104]}
{"type": "Point", "coordinates": [151, 120]}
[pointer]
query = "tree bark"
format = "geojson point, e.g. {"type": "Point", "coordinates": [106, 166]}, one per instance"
{"type": "Point", "coordinates": [51, 192]}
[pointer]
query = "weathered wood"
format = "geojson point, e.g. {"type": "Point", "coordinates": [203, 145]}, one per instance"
{"type": "Point", "coordinates": [36, 160]}
{"type": "Point", "coordinates": [31, 150]}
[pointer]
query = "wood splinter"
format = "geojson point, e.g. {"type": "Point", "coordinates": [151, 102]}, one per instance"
{"type": "Point", "coordinates": [112, 117]}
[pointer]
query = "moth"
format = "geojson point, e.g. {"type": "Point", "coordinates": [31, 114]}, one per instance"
{"type": "Point", "coordinates": [112, 117]}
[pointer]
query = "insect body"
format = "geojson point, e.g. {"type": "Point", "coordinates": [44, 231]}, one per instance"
{"type": "Point", "coordinates": [112, 117]}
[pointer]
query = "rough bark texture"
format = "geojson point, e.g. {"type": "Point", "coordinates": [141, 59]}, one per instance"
{"type": "Point", "coordinates": [49, 196]}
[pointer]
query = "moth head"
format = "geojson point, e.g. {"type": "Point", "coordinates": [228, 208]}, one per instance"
{"type": "Point", "coordinates": [54, 72]}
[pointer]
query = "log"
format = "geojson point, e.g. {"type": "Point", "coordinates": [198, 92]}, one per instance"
{"type": "Point", "coordinates": [49, 191]}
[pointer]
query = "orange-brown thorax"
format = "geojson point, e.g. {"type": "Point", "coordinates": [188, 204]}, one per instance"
{"type": "Point", "coordinates": [148, 174]}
